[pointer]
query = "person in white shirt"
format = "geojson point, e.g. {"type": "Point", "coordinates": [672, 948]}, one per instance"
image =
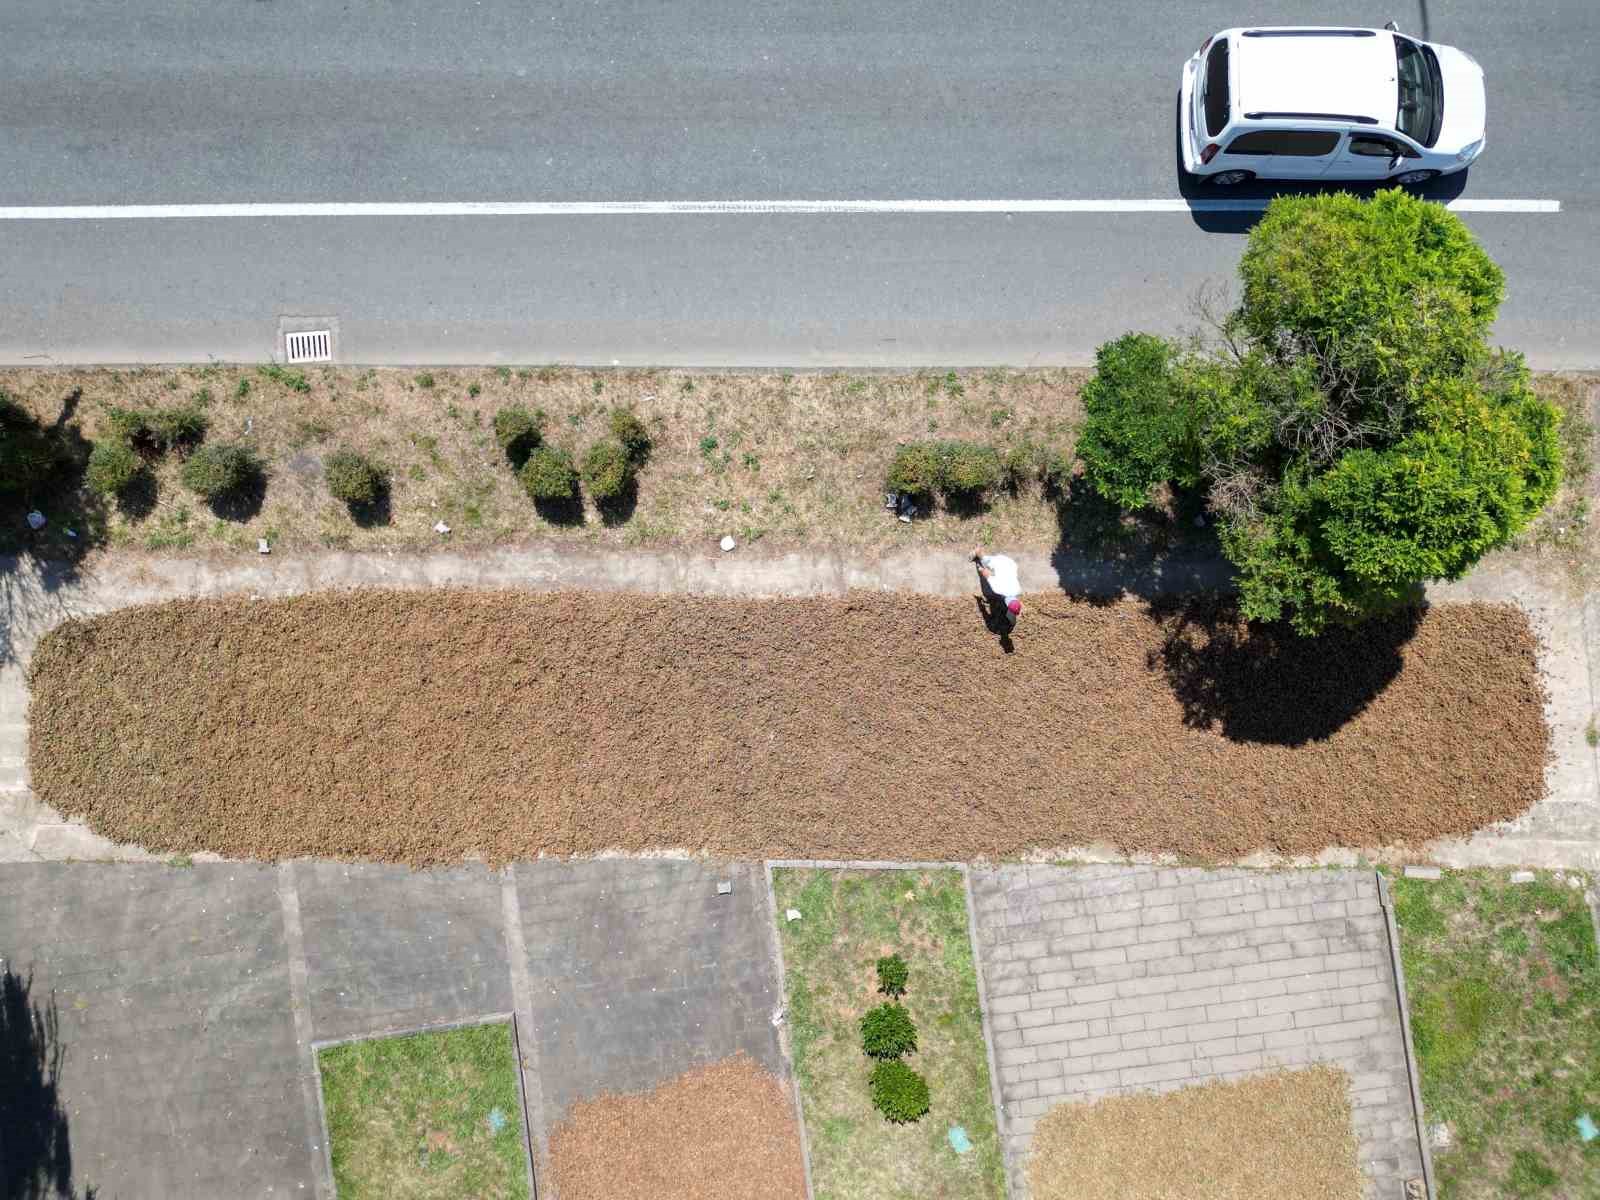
{"type": "Point", "coordinates": [997, 574]}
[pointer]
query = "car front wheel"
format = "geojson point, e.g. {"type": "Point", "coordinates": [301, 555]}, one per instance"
{"type": "Point", "coordinates": [1231, 178]}
{"type": "Point", "coordinates": [1409, 177]}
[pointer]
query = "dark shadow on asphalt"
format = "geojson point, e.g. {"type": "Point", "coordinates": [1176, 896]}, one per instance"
{"type": "Point", "coordinates": [35, 1138]}
{"type": "Point", "coordinates": [1265, 683]}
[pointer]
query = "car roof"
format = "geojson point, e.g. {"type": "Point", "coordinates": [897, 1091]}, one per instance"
{"type": "Point", "coordinates": [1341, 72]}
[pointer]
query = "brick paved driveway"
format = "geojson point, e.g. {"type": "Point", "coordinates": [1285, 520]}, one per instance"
{"type": "Point", "coordinates": [1104, 980]}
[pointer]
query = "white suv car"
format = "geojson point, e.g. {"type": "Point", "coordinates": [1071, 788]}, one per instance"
{"type": "Point", "coordinates": [1286, 102]}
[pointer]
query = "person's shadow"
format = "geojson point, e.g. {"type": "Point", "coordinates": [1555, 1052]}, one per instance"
{"type": "Point", "coordinates": [997, 621]}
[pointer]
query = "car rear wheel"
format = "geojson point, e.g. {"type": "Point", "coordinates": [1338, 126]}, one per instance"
{"type": "Point", "coordinates": [1231, 178]}
{"type": "Point", "coordinates": [1409, 177]}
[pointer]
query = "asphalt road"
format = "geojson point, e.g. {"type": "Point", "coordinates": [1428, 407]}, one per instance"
{"type": "Point", "coordinates": [194, 102]}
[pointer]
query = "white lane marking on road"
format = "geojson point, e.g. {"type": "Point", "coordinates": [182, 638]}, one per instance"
{"type": "Point", "coordinates": [606, 208]}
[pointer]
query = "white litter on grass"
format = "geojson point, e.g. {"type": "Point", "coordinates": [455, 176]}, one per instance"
{"type": "Point", "coordinates": [262, 547]}
{"type": "Point", "coordinates": [777, 1016]}
{"type": "Point", "coordinates": [791, 914]}
{"type": "Point", "coordinates": [727, 543]}
{"type": "Point", "coordinates": [441, 527]}
{"type": "Point", "coordinates": [36, 520]}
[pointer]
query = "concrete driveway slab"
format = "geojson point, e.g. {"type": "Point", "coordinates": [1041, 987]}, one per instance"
{"type": "Point", "coordinates": [1105, 980]}
{"type": "Point", "coordinates": [180, 1070]}
{"type": "Point", "coordinates": [390, 948]}
{"type": "Point", "coordinates": [640, 971]}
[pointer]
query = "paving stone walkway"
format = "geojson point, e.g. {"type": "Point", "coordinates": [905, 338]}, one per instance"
{"type": "Point", "coordinates": [1103, 980]}
{"type": "Point", "coordinates": [1561, 831]}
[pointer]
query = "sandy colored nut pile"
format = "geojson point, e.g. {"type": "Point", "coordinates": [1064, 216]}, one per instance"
{"type": "Point", "coordinates": [1287, 1136]}
{"type": "Point", "coordinates": [721, 1132]}
{"type": "Point", "coordinates": [428, 727]}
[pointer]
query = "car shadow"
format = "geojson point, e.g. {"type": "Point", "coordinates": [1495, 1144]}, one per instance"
{"type": "Point", "coordinates": [1219, 210]}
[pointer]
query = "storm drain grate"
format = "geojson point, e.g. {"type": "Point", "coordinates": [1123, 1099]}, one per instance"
{"type": "Point", "coordinates": [314, 345]}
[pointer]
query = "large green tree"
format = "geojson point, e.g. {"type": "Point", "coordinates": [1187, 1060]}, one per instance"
{"type": "Point", "coordinates": [1352, 431]}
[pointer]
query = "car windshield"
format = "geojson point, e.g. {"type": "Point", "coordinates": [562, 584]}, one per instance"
{"type": "Point", "coordinates": [1421, 94]}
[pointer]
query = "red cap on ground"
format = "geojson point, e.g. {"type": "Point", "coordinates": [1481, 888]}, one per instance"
{"type": "Point", "coordinates": [1013, 607]}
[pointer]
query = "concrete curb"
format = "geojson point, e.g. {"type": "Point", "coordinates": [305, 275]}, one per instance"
{"type": "Point", "coordinates": [1014, 1190]}
{"type": "Point", "coordinates": [783, 1029]}
{"type": "Point", "coordinates": [1386, 902]}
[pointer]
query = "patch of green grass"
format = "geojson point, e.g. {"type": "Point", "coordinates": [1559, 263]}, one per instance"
{"type": "Point", "coordinates": [1504, 985]}
{"type": "Point", "coordinates": [849, 920]}
{"type": "Point", "coordinates": [295, 381]}
{"type": "Point", "coordinates": [172, 531]}
{"type": "Point", "coordinates": [427, 1116]}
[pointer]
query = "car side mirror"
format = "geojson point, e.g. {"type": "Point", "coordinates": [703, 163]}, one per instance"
{"type": "Point", "coordinates": [1391, 27]}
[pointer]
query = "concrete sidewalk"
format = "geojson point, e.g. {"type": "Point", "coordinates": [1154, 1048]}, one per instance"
{"type": "Point", "coordinates": [1562, 830]}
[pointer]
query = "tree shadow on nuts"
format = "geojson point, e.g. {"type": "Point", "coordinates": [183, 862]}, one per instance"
{"type": "Point", "coordinates": [1265, 683]}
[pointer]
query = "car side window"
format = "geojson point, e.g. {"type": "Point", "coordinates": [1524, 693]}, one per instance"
{"type": "Point", "coordinates": [1299, 143]}
{"type": "Point", "coordinates": [1370, 145]}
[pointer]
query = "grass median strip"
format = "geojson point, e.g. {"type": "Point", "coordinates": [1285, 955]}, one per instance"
{"type": "Point", "coordinates": [850, 919]}
{"type": "Point", "coordinates": [1504, 986]}
{"type": "Point", "coordinates": [428, 727]}
{"type": "Point", "coordinates": [426, 1116]}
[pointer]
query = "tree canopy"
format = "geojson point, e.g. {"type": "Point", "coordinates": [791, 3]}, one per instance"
{"type": "Point", "coordinates": [1351, 430]}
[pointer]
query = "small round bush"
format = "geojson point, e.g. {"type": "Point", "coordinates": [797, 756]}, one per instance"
{"type": "Point", "coordinates": [628, 429]}
{"type": "Point", "coordinates": [969, 469]}
{"type": "Point", "coordinates": [898, 1092]}
{"type": "Point", "coordinates": [112, 467]}
{"type": "Point", "coordinates": [607, 470]}
{"type": "Point", "coordinates": [892, 975]}
{"type": "Point", "coordinates": [549, 475]}
{"type": "Point", "coordinates": [915, 470]}
{"type": "Point", "coordinates": [518, 431]}
{"type": "Point", "coordinates": [353, 478]}
{"type": "Point", "coordinates": [888, 1032]}
{"type": "Point", "coordinates": [218, 469]}
{"type": "Point", "coordinates": [159, 429]}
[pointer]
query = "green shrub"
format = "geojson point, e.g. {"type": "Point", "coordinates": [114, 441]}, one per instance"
{"type": "Point", "coordinates": [353, 477]}
{"type": "Point", "coordinates": [425, 381]}
{"type": "Point", "coordinates": [628, 429]}
{"type": "Point", "coordinates": [892, 975]}
{"type": "Point", "coordinates": [159, 429]}
{"type": "Point", "coordinates": [113, 465]}
{"type": "Point", "coordinates": [1136, 434]}
{"type": "Point", "coordinates": [887, 1031]}
{"type": "Point", "coordinates": [967, 469]}
{"type": "Point", "coordinates": [518, 430]}
{"type": "Point", "coordinates": [898, 1092]}
{"type": "Point", "coordinates": [27, 453]}
{"type": "Point", "coordinates": [916, 470]}
{"type": "Point", "coordinates": [607, 470]}
{"type": "Point", "coordinates": [549, 475]}
{"type": "Point", "coordinates": [1386, 293]}
{"type": "Point", "coordinates": [219, 469]}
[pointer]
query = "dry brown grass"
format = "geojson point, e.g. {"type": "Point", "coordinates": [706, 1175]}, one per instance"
{"type": "Point", "coordinates": [798, 459]}
{"type": "Point", "coordinates": [1287, 1136]}
{"type": "Point", "coordinates": [721, 1132]}
{"type": "Point", "coordinates": [425, 727]}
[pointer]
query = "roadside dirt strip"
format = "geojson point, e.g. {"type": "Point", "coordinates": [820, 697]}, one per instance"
{"type": "Point", "coordinates": [425, 728]}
